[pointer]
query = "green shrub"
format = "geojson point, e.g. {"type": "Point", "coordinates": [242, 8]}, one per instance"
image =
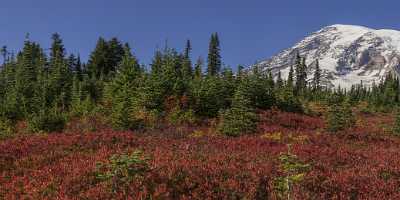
{"type": "Point", "coordinates": [6, 128]}
{"type": "Point", "coordinates": [210, 95]}
{"type": "Point", "coordinates": [240, 119]}
{"type": "Point", "coordinates": [121, 170]}
{"type": "Point", "coordinates": [43, 121]}
{"type": "Point", "coordinates": [236, 122]}
{"type": "Point", "coordinates": [82, 107]}
{"type": "Point", "coordinates": [151, 118]}
{"type": "Point", "coordinates": [396, 128]}
{"type": "Point", "coordinates": [179, 117]}
{"type": "Point", "coordinates": [340, 116]}
{"type": "Point", "coordinates": [365, 108]}
{"type": "Point", "coordinates": [123, 117]}
{"type": "Point", "coordinates": [288, 102]}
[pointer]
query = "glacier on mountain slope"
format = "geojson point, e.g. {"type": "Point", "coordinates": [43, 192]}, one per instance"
{"type": "Point", "coordinates": [347, 55]}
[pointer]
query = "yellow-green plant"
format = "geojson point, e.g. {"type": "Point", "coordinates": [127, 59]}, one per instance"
{"type": "Point", "coordinates": [6, 128]}
{"type": "Point", "coordinates": [294, 171]}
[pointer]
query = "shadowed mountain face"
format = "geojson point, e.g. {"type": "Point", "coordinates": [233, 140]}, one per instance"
{"type": "Point", "coordinates": [347, 55]}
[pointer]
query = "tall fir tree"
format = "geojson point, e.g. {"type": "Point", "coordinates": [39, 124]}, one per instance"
{"type": "Point", "coordinates": [122, 92]}
{"type": "Point", "coordinates": [301, 74]}
{"type": "Point", "coordinates": [25, 78]}
{"type": "Point", "coordinates": [290, 78]}
{"type": "Point", "coordinates": [340, 116]}
{"type": "Point", "coordinates": [396, 127]}
{"type": "Point", "coordinates": [187, 71]}
{"type": "Point", "coordinates": [9, 99]}
{"type": "Point", "coordinates": [279, 81]}
{"type": "Point", "coordinates": [270, 79]}
{"type": "Point", "coordinates": [114, 55]}
{"type": "Point", "coordinates": [241, 118]}
{"type": "Point", "coordinates": [297, 69]}
{"type": "Point", "coordinates": [304, 80]}
{"type": "Point", "coordinates": [188, 49]}
{"type": "Point", "coordinates": [317, 77]}
{"type": "Point", "coordinates": [98, 63]}
{"type": "Point", "coordinates": [214, 56]}
{"type": "Point", "coordinates": [61, 74]}
{"type": "Point", "coordinates": [57, 50]}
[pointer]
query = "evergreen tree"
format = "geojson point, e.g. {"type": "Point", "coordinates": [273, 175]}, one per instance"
{"type": "Point", "coordinates": [61, 75]}
{"type": "Point", "coordinates": [396, 128]}
{"type": "Point", "coordinates": [214, 57]}
{"type": "Point", "coordinates": [57, 50]}
{"type": "Point", "coordinates": [187, 71]}
{"type": "Point", "coordinates": [97, 61]}
{"type": "Point", "coordinates": [286, 98]}
{"type": "Point", "coordinates": [241, 117]}
{"type": "Point", "coordinates": [42, 87]}
{"type": "Point", "coordinates": [301, 74]}
{"type": "Point", "coordinates": [304, 74]}
{"type": "Point", "coordinates": [340, 115]}
{"type": "Point", "coordinates": [210, 96]}
{"type": "Point", "coordinates": [188, 49]}
{"type": "Point", "coordinates": [317, 77]}
{"type": "Point", "coordinates": [115, 53]}
{"type": "Point", "coordinates": [165, 81]}
{"type": "Point", "coordinates": [76, 96]}
{"type": "Point", "coordinates": [121, 91]}
{"type": "Point", "coordinates": [270, 80]}
{"type": "Point", "coordinates": [171, 75]}
{"type": "Point", "coordinates": [25, 79]}
{"type": "Point", "coordinates": [228, 86]}
{"type": "Point", "coordinates": [9, 100]}
{"type": "Point", "coordinates": [260, 89]}
{"type": "Point", "coordinates": [279, 81]}
{"type": "Point", "coordinates": [157, 63]}
{"type": "Point", "coordinates": [287, 101]}
{"type": "Point", "coordinates": [81, 103]}
{"type": "Point", "coordinates": [390, 90]}
{"type": "Point", "coordinates": [298, 68]}
{"type": "Point", "coordinates": [290, 78]}
{"type": "Point", "coordinates": [105, 57]}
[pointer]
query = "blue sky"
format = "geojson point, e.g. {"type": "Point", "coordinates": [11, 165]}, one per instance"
{"type": "Point", "coordinates": [249, 30]}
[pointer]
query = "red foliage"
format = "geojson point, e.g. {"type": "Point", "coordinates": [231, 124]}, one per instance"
{"type": "Point", "coordinates": [362, 163]}
{"type": "Point", "coordinates": [274, 120]}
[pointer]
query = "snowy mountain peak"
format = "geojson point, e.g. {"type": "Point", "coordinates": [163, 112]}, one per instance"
{"type": "Point", "coordinates": [348, 27]}
{"type": "Point", "coordinates": [347, 55]}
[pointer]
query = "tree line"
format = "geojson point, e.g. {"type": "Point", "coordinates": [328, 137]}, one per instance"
{"type": "Point", "coordinates": [48, 89]}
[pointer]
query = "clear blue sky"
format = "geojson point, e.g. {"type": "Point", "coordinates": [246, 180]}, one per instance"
{"type": "Point", "coordinates": [249, 30]}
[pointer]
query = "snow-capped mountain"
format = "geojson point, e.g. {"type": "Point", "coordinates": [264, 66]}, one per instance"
{"type": "Point", "coordinates": [347, 55]}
